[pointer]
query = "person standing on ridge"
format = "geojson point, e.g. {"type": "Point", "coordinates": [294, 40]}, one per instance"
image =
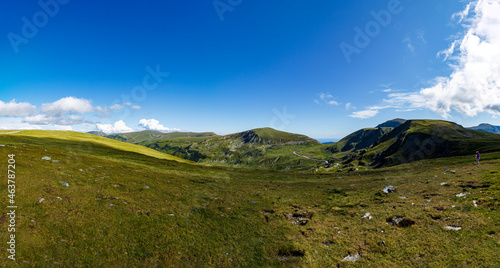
{"type": "Point", "coordinates": [477, 157]}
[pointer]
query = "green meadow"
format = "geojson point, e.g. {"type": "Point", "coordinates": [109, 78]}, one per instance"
{"type": "Point", "coordinates": [103, 203]}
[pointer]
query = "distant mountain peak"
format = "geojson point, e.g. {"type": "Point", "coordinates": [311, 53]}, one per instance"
{"type": "Point", "coordinates": [487, 128]}
{"type": "Point", "coordinates": [98, 133]}
{"type": "Point", "coordinates": [393, 123]}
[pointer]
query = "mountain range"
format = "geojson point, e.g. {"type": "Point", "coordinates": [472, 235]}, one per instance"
{"type": "Point", "coordinates": [487, 128]}
{"type": "Point", "coordinates": [390, 143]}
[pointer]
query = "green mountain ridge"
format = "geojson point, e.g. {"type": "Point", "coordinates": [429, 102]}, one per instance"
{"type": "Point", "coordinates": [393, 142]}
{"type": "Point", "coordinates": [264, 148]}
{"type": "Point", "coordinates": [361, 139]}
{"type": "Point", "coordinates": [149, 135]}
{"type": "Point", "coordinates": [425, 139]}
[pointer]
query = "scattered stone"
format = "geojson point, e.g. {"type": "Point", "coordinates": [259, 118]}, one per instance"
{"type": "Point", "coordinates": [81, 170]}
{"type": "Point", "coordinates": [147, 187]}
{"type": "Point", "coordinates": [452, 227]}
{"type": "Point", "coordinates": [367, 215]}
{"type": "Point", "coordinates": [111, 205]}
{"type": "Point", "coordinates": [64, 183]}
{"type": "Point", "coordinates": [59, 198]}
{"type": "Point", "coordinates": [460, 195]}
{"type": "Point", "coordinates": [266, 211]}
{"type": "Point", "coordinates": [474, 202]}
{"type": "Point", "coordinates": [1, 145]}
{"type": "Point", "coordinates": [171, 215]}
{"type": "Point", "coordinates": [453, 171]}
{"type": "Point", "coordinates": [46, 158]}
{"type": "Point", "coordinates": [56, 161]}
{"type": "Point", "coordinates": [403, 197]}
{"type": "Point", "coordinates": [254, 202]}
{"type": "Point", "coordinates": [299, 218]}
{"type": "Point", "coordinates": [286, 254]}
{"type": "Point", "coordinates": [328, 242]}
{"type": "Point", "coordinates": [352, 258]}
{"type": "Point", "coordinates": [444, 184]}
{"type": "Point", "coordinates": [41, 200]}
{"type": "Point", "coordinates": [389, 189]}
{"type": "Point", "coordinates": [400, 221]}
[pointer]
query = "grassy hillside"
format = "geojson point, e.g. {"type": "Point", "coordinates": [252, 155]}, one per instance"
{"type": "Point", "coordinates": [89, 140]}
{"type": "Point", "coordinates": [263, 148]}
{"type": "Point", "coordinates": [126, 209]}
{"type": "Point", "coordinates": [359, 140]}
{"type": "Point", "coordinates": [151, 136]}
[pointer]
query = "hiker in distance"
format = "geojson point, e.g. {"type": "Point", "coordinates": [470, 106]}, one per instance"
{"type": "Point", "coordinates": [477, 157]}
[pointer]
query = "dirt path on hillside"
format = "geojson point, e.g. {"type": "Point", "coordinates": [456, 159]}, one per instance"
{"type": "Point", "coordinates": [309, 158]}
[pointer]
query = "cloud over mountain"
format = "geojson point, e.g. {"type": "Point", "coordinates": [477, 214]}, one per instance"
{"type": "Point", "coordinates": [117, 127]}
{"type": "Point", "coordinates": [153, 124]}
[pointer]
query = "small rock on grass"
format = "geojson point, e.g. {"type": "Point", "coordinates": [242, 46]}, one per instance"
{"type": "Point", "coordinates": [400, 221]}
{"type": "Point", "coordinates": [46, 158]}
{"type": "Point", "coordinates": [389, 189]}
{"type": "Point", "coordinates": [367, 216]}
{"type": "Point", "coordinates": [64, 183]}
{"type": "Point", "coordinates": [452, 227]}
{"type": "Point", "coordinates": [352, 258]}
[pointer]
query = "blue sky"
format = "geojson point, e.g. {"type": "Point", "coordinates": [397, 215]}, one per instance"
{"type": "Point", "coordinates": [228, 66]}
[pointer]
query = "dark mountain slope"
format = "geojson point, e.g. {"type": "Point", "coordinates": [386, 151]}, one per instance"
{"type": "Point", "coordinates": [423, 139]}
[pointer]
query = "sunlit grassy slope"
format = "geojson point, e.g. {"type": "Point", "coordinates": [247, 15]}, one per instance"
{"type": "Point", "coordinates": [130, 209]}
{"type": "Point", "coordinates": [88, 140]}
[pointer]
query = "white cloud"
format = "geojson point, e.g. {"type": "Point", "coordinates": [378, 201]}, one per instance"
{"type": "Point", "coordinates": [103, 112]}
{"type": "Point", "coordinates": [370, 112]}
{"type": "Point", "coordinates": [66, 128]}
{"type": "Point", "coordinates": [462, 14]}
{"type": "Point", "coordinates": [16, 109]}
{"type": "Point", "coordinates": [474, 84]}
{"type": "Point", "coordinates": [449, 51]}
{"type": "Point", "coordinates": [348, 106]}
{"type": "Point", "coordinates": [408, 42]}
{"type": "Point", "coordinates": [116, 107]}
{"type": "Point", "coordinates": [364, 114]}
{"type": "Point", "coordinates": [136, 107]}
{"type": "Point", "coordinates": [43, 119]}
{"type": "Point", "coordinates": [421, 36]}
{"type": "Point", "coordinates": [326, 98]}
{"type": "Point", "coordinates": [13, 123]}
{"type": "Point", "coordinates": [117, 127]}
{"type": "Point", "coordinates": [153, 124]}
{"type": "Point", "coordinates": [68, 105]}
